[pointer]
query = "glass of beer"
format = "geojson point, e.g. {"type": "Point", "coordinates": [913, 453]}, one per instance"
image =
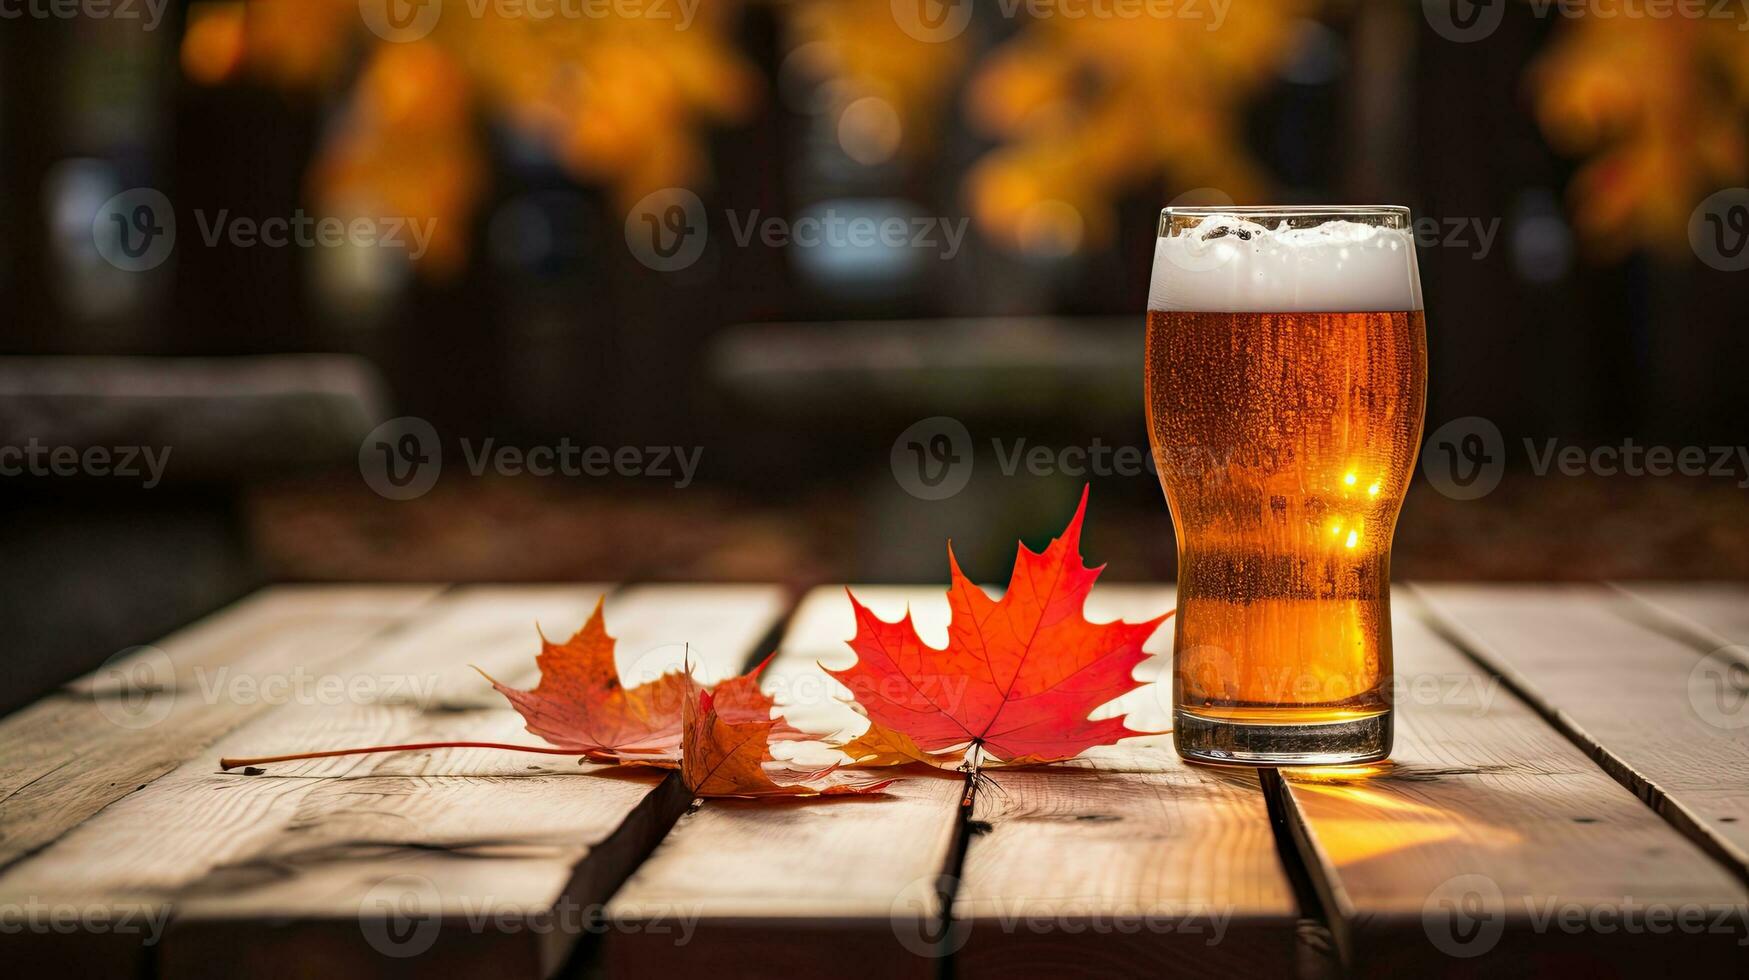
{"type": "Point", "coordinates": [1286, 384]}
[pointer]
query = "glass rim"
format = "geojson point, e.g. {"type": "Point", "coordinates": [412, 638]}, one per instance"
{"type": "Point", "coordinates": [1175, 219]}
{"type": "Point", "coordinates": [1287, 210]}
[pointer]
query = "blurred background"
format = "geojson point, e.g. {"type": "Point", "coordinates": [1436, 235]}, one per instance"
{"type": "Point", "coordinates": [313, 290]}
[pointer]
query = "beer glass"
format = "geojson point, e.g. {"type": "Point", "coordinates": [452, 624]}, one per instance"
{"type": "Point", "coordinates": [1286, 384]}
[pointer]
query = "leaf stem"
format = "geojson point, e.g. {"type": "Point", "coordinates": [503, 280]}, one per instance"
{"type": "Point", "coordinates": [971, 768]}
{"type": "Point", "coordinates": [228, 764]}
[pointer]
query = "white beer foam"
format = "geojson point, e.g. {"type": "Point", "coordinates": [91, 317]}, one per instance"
{"type": "Point", "coordinates": [1226, 264]}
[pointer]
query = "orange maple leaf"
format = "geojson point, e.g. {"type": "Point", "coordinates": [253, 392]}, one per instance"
{"type": "Point", "coordinates": [581, 705]}
{"type": "Point", "coordinates": [882, 746]}
{"type": "Point", "coordinates": [728, 749]}
{"type": "Point", "coordinates": [1019, 675]}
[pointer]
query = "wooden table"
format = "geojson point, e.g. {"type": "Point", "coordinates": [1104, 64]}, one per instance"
{"type": "Point", "coordinates": [1569, 793]}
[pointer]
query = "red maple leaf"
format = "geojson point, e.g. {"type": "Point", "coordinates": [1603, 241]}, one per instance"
{"type": "Point", "coordinates": [1019, 675]}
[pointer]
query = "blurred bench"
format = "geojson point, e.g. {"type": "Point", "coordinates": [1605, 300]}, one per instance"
{"type": "Point", "coordinates": [120, 477]}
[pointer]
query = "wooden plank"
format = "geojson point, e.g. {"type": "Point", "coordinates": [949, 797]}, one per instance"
{"type": "Point", "coordinates": [140, 715]}
{"type": "Point", "coordinates": [1138, 864]}
{"type": "Point", "coordinates": [1664, 719]}
{"type": "Point", "coordinates": [1710, 615]}
{"type": "Point", "coordinates": [830, 887]}
{"type": "Point", "coordinates": [464, 860]}
{"type": "Point", "coordinates": [1488, 834]}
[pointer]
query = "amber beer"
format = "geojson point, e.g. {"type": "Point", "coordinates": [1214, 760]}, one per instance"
{"type": "Point", "coordinates": [1286, 381]}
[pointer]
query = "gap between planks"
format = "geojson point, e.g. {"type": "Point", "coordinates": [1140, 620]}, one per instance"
{"type": "Point", "coordinates": [908, 885]}
{"type": "Point", "coordinates": [267, 874]}
{"type": "Point", "coordinates": [1128, 861]}
{"type": "Point", "coordinates": [1616, 673]}
{"type": "Point", "coordinates": [1485, 806]}
{"type": "Point", "coordinates": [795, 886]}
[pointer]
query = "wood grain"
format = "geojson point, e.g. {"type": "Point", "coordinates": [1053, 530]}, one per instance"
{"type": "Point", "coordinates": [1710, 615]}
{"type": "Point", "coordinates": [1134, 864]}
{"type": "Point", "coordinates": [491, 859]}
{"type": "Point", "coordinates": [108, 734]}
{"type": "Point", "coordinates": [841, 887]}
{"type": "Point", "coordinates": [1487, 808]}
{"type": "Point", "coordinates": [1666, 720]}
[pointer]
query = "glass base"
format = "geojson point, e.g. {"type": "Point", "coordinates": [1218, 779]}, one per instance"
{"type": "Point", "coordinates": [1229, 743]}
